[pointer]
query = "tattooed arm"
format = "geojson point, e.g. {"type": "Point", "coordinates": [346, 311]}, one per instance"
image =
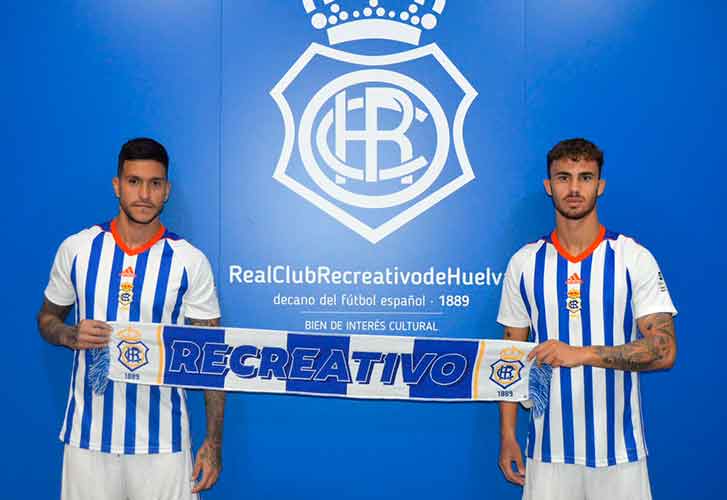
{"type": "Point", "coordinates": [88, 334]}
{"type": "Point", "coordinates": [509, 448]}
{"type": "Point", "coordinates": [209, 456]}
{"type": "Point", "coordinates": [655, 351]}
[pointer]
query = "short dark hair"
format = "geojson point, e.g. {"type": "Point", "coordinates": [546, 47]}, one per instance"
{"type": "Point", "coordinates": [143, 148]}
{"type": "Point", "coordinates": [575, 149]}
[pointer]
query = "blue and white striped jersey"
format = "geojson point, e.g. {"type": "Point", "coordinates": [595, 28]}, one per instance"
{"type": "Point", "coordinates": [594, 414]}
{"type": "Point", "coordinates": [164, 281]}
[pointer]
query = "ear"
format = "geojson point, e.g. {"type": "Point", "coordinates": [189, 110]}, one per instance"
{"type": "Point", "coordinates": [548, 188]}
{"type": "Point", "coordinates": [601, 186]}
{"type": "Point", "coordinates": [115, 183]}
{"type": "Point", "coordinates": [168, 191]}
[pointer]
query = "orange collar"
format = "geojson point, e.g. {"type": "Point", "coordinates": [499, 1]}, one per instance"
{"type": "Point", "coordinates": [135, 251]}
{"type": "Point", "coordinates": [586, 253]}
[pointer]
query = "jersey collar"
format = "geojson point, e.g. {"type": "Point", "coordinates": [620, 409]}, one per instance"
{"type": "Point", "coordinates": [586, 253]}
{"type": "Point", "coordinates": [135, 251]}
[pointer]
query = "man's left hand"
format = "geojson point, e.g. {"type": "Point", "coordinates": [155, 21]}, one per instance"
{"type": "Point", "coordinates": [209, 463]}
{"type": "Point", "coordinates": [556, 353]}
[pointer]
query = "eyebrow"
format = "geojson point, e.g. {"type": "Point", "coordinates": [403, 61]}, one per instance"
{"type": "Point", "coordinates": [132, 176]}
{"type": "Point", "coordinates": [563, 172]}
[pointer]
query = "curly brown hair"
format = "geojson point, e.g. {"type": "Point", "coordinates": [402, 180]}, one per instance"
{"type": "Point", "coordinates": [576, 149]}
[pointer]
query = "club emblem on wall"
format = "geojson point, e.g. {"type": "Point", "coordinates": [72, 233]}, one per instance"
{"type": "Point", "coordinates": [374, 133]}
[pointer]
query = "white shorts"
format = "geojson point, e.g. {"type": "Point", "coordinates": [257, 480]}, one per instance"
{"type": "Point", "coordinates": [93, 475]}
{"type": "Point", "coordinates": [546, 481]}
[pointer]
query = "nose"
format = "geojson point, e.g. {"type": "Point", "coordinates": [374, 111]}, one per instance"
{"type": "Point", "coordinates": [145, 191]}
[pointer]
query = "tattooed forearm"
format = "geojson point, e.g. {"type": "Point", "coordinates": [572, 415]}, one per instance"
{"type": "Point", "coordinates": [657, 350]}
{"type": "Point", "coordinates": [636, 356]}
{"type": "Point", "coordinates": [215, 405]}
{"type": "Point", "coordinates": [211, 450]}
{"type": "Point", "coordinates": [51, 324]}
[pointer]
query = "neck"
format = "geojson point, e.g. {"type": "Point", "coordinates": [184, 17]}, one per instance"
{"type": "Point", "coordinates": [135, 235]}
{"type": "Point", "coordinates": [576, 235]}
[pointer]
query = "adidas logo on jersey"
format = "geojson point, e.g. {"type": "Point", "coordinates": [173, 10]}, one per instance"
{"type": "Point", "coordinates": [128, 273]}
{"type": "Point", "coordinates": [574, 279]}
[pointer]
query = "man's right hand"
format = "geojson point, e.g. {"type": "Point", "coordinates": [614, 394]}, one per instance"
{"type": "Point", "coordinates": [89, 334]}
{"type": "Point", "coordinates": [510, 452]}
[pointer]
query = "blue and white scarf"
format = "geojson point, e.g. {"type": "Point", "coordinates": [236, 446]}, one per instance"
{"type": "Point", "coordinates": [348, 366]}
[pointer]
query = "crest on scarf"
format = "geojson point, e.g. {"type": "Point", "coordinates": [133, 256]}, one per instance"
{"type": "Point", "coordinates": [506, 371]}
{"type": "Point", "coordinates": [132, 351]}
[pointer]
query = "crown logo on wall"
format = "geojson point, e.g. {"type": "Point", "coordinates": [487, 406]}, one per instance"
{"type": "Point", "coordinates": [374, 20]}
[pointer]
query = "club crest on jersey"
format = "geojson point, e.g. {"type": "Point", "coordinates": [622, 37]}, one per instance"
{"type": "Point", "coordinates": [132, 351]}
{"type": "Point", "coordinates": [506, 371]}
{"type": "Point", "coordinates": [126, 294]}
{"type": "Point", "coordinates": [573, 302]}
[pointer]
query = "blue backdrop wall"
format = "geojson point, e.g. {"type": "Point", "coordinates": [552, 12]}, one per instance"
{"type": "Point", "coordinates": [645, 80]}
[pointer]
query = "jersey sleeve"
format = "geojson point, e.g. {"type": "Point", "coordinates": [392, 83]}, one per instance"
{"type": "Point", "coordinates": [513, 312]}
{"type": "Point", "coordinates": [60, 290]}
{"type": "Point", "coordinates": [200, 301]}
{"type": "Point", "coordinates": [650, 293]}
